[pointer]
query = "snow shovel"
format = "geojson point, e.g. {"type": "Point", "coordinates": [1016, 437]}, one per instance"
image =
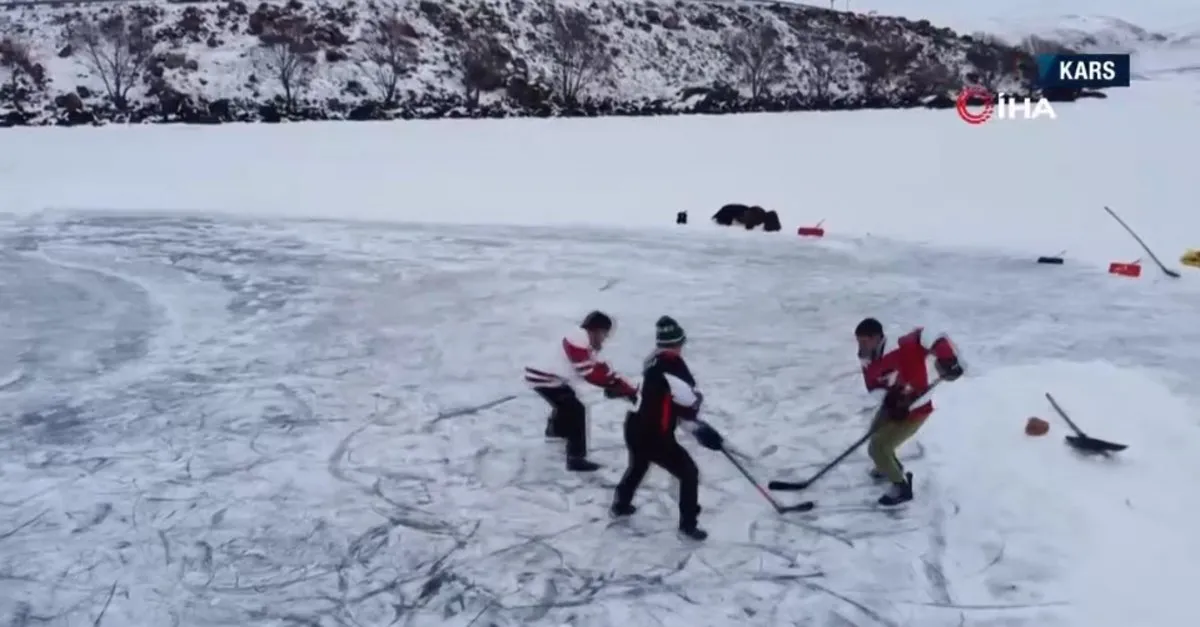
{"type": "Point", "coordinates": [1081, 441]}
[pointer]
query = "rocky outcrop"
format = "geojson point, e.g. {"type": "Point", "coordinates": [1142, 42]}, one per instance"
{"type": "Point", "coordinates": [748, 217]}
{"type": "Point", "coordinates": [213, 62]}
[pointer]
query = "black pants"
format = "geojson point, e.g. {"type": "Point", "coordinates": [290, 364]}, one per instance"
{"type": "Point", "coordinates": [647, 446]}
{"type": "Point", "coordinates": [568, 418]}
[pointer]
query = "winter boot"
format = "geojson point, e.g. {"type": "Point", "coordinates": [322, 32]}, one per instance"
{"type": "Point", "coordinates": [688, 527]}
{"type": "Point", "coordinates": [899, 493]}
{"type": "Point", "coordinates": [581, 464]}
{"type": "Point", "coordinates": [622, 510]}
{"type": "Point", "coordinates": [692, 532]}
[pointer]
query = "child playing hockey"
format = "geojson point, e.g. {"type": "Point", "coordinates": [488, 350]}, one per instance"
{"type": "Point", "coordinates": [577, 356]}
{"type": "Point", "coordinates": [669, 398]}
{"type": "Point", "coordinates": [900, 379]}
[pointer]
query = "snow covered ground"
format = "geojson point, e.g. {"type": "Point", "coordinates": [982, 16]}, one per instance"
{"type": "Point", "coordinates": [1036, 187]}
{"type": "Point", "coordinates": [240, 384]}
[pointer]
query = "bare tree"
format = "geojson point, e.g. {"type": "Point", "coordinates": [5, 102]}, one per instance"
{"type": "Point", "coordinates": [484, 62]}
{"type": "Point", "coordinates": [821, 66]}
{"type": "Point", "coordinates": [936, 79]}
{"type": "Point", "coordinates": [389, 52]}
{"type": "Point", "coordinates": [22, 75]}
{"type": "Point", "coordinates": [288, 55]}
{"type": "Point", "coordinates": [988, 39]}
{"type": "Point", "coordinates": [994, 57]}
{"type": "Point", "coordinates": [887, 64]}
{"type": "Point", "coordinates": [757, 54]}
{"type": "Point", "coordinates": [988, 67]}
{"type": "Point", "coordinates": [578, 54]}
{"type": "Point", "coordinates": [116, 46]}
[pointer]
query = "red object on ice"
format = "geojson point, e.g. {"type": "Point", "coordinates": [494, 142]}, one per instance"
{"type": "Point", "coordinates": [1125, 269]}
{"type": "Point", "coordinates": [811, 231]}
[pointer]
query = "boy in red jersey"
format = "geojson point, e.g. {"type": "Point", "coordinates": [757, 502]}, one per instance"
{"type": "Point", "coordinates": [576, 357]}
{"type": "Point", "coordinates": [900, 379]}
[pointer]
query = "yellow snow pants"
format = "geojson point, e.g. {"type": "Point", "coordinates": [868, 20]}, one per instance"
{"type": "Point", "coordinates": [888, 437]}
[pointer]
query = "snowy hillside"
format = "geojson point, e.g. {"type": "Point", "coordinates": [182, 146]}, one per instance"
{"type": "Point", "coordinates": [1161, 35]}
{"type": "Point", "coordinates": [220, 61]}
{"type": "Point", "coordinates": [1158, 53]}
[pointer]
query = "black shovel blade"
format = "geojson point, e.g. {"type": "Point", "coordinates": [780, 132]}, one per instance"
{"type": "Point", "coordinates": [1092, 445]}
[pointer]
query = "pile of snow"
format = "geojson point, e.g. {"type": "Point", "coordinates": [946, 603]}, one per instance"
{"type": "Point", "coordinates": [211, 61]}
{"type": "Point", "coordinates": [1101, 521]}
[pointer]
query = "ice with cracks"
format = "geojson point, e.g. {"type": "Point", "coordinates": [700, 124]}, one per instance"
{"type": "Point", "coordinates": [212, 421]}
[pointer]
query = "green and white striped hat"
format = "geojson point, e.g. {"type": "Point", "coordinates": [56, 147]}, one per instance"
{"type": "Point", "coordinates": [668, 333]}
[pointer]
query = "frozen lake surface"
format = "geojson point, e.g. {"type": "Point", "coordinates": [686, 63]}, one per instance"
{"type": "Point", "coordinates": [256, 423]}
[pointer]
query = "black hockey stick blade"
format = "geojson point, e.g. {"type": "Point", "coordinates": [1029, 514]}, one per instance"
{"type": "Point", "coordinates": [779, 509]}
{"type": "Point", "coordinates": [1088, 444]}
{"type": "Point", "coordinates": [792, 486]}
{"type": "Point", "coordinates": [787, 486]}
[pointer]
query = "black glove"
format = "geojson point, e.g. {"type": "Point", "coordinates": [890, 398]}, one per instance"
{"type": "Point", "coordinates": [896, 404]}
{"type": "Point", "coordinates": [621, 392]}
{"type": "Point", "coordinates": [949, 369]}
{"type": "Point", "coordinates": [708, 437]}
{"type": "Point", "coordinates": [618, 388]}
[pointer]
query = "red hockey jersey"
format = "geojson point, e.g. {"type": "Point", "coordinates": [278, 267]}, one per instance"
{"type": "Point", "coordinates": [574, 359]}
{"type": "Point", "coordinates": [906, 367]}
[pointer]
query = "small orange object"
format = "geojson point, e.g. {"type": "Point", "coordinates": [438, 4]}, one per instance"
{"type": "Point", "coordinates": [1133, 270]}
{"type": "Point", "coordinates": [1036, 426]}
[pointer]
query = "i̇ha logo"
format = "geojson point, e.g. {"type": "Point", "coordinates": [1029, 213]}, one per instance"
{"type": "Point", "coordinates": [976, 105]}
{"type": "Point", "coordinates": [986, 101]}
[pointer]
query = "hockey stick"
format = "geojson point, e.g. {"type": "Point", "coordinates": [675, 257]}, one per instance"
{"type": "Point", "coordinates": [474, 409]}
{"type": "Point", "coordinates": [803, 506]}
{"type": "Point", "coordinates": [1081, 441]}
{"type": "Point", "coordinates": [1161, 266]}
{"type": "Point", "coordinates": [795, 486]}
